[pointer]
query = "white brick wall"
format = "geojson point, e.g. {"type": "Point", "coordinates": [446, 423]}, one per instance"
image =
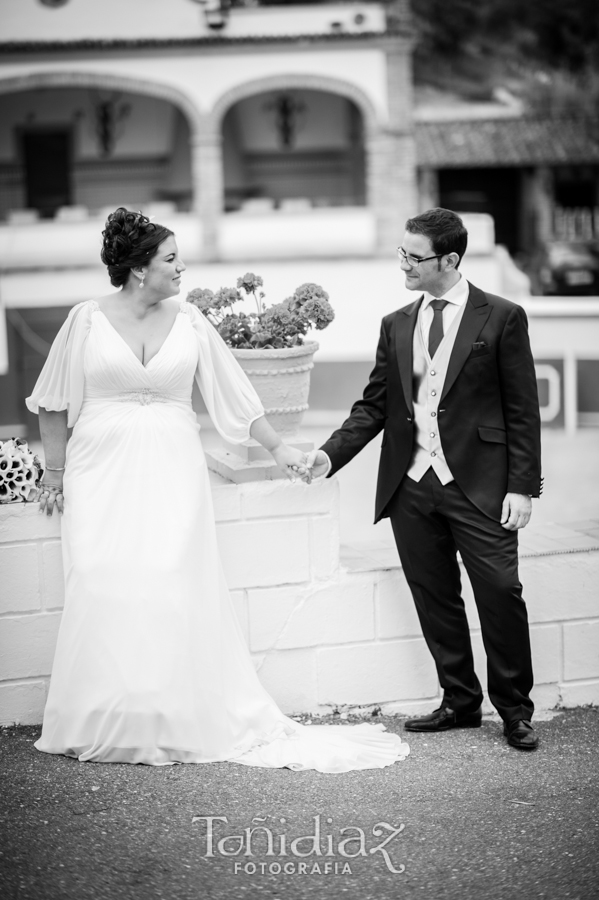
{"type": "Point", "coordinates": [394, 608]}
{"type": "Point", "coordinates": [322, 635]}
{"type": "Point", "coordinates": [270, 551]}
{"type": "Point", "coordinates": [22, 702]}
{"type": "Point", "coordinates": [31, 591]}
{"type": "Point", "coordinates": [335, 612]}
{"type": "Point", "coordinates": [27, 645]}
{"type": "Point", "coordinates": [290, 677]}
{"type": "Point", "coordinates": [376, 673]}
{"type": "Point", "coordinates": [581, 650]}
{"type": "Point", "coordinates": [20, 578]}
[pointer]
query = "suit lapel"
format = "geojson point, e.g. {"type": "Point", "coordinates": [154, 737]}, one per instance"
{"type": "Point", "coordinates": [475, 315]}
{"type": "Point", "coordinates": [405, 323]}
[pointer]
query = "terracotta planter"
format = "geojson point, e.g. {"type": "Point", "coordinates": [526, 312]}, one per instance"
{"type": "Point", "coordinates": [282, 381]}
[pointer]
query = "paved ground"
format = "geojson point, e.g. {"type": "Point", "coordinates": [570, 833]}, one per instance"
{"type": "Point", "coordinates": [481, 820]}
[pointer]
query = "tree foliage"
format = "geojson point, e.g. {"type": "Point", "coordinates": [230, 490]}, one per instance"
{"type": "Point", "coordinates": [561, 35]}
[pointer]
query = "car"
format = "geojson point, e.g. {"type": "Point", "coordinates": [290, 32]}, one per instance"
{"type": "Point", "coordinates": [565, 267]}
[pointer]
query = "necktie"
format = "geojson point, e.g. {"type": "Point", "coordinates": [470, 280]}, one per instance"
{"type": "Point", "coordinates": [435, 335]}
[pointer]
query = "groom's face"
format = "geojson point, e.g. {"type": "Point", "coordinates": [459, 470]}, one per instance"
{"type": "Point", "coordinates": [425, 275]}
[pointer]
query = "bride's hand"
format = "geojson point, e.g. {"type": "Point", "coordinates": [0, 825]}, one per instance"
{"type": "Point", "coordinates": [50, 495]}
{"type": "Point", "coordinates": [292, 462]}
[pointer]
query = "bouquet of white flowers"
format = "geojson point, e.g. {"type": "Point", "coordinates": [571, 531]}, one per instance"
{"type": "Point", "coordinates": [20, 471]}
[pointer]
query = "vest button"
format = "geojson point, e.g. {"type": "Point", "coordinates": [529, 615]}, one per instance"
{"type": "Point", "coordinates": [433, 393]}
{"type": "Point", "coordinates": [433, 453]}
{"type": "Point", "coordinates": [432, 434]}
{"type": "Point", "coordinates": [433, 372]}
{"type": "Point", "coordinates": [433, 414]}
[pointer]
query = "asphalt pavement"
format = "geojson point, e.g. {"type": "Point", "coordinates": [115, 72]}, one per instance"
{"type": "Point", "coordinates": [465, 816]}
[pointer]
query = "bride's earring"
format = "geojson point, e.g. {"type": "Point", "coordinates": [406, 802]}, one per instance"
{"type": "Point", "coordinates": [141, 283]}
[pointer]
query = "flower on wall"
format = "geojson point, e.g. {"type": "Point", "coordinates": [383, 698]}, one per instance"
{"type": "Point", "coordinates": [284, 324]}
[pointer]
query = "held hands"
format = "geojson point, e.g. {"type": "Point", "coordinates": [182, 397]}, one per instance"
{"type": "Point", "coordinates": [292, 462]}
{"type": "Point", "coordinates": [50, 496]}
{"type": "Point", "coordinates": [318, 463]}
{"type": "Point", "coordinates": [516, 511]}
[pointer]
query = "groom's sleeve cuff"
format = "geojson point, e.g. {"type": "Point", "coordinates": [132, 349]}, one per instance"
{"type": "Point", "coordinates": [329, 464]}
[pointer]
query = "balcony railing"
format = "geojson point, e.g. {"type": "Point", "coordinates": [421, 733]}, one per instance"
{"type": "Point", "coordinates": [294, 231]}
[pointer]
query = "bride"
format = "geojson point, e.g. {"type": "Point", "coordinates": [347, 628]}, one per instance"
{"type": "Point", "coordinates": [151, 665]}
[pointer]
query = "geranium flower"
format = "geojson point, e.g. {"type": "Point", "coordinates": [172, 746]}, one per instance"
{"type": "Point", "coordinates": [250, 282]}
{"type": "Point", "coordinates": [320, 312]}
{"type": "Point", "coordinates": [202, 298]}
{"type": "Point", "coordinates": [226, 297]}
{"type": "Point", "coordinates": [284, 324]}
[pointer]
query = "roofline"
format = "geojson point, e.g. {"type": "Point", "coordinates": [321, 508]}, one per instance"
{"type": "Point", "coordinates": [21, 47]}
{"type": "Point", "coordinates": [522, 164]}
{"type": "Point", "coordinates": [580, 156]}
{"type": "Point", "coordinates": [499, 120]}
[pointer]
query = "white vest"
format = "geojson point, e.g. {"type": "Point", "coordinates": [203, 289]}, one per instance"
{"type": "Point", "coordinates": [427, 387]}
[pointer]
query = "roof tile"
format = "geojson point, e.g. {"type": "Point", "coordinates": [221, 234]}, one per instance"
{"type": "Point", "coordinates": [508, 142]}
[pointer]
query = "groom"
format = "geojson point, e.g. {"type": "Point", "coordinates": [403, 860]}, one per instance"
{"type": "Point", "coordinates": [454, 391]}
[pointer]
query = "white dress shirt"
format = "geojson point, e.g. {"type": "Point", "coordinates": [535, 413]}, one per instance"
{"type": "Point", "coordinates": [456, 296]}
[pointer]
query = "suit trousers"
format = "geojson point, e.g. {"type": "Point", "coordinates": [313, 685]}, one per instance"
{"type": "Point", "coordinates": [430, 523]}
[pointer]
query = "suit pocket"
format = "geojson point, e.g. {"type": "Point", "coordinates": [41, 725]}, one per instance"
{"type": "Point", "coordinates": [478, 352]}
{"type": "Point", "coordinates": [494, 435]}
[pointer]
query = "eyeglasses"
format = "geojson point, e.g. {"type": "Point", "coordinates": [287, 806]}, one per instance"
{"type": "Point", "coordinates": [414, 260]}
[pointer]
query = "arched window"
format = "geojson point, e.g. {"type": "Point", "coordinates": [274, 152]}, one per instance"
{"type": "Point", "coordinates": [291, 148]}
{"type": "Point", "coordinates": [91, 147]}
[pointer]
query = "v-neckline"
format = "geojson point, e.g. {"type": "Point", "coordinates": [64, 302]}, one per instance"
{"type": "Point", "coordinates": [131, 350]}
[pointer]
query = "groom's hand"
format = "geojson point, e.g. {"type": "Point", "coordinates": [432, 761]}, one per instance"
{"type": "Point", "coordinates": [292, 462]}
{"type": "Point", "coordinates": [516, 511]}
{"type": "Point", "coordinates": [318, 463]}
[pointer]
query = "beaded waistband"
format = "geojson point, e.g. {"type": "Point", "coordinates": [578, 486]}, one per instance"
{"type": "Point", "coordinates": [144, 397]}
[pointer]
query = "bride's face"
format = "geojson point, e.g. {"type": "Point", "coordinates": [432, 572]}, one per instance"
{"type": "Point", "coordinates": [163, 274]}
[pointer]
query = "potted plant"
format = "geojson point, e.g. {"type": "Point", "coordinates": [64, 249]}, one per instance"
{"type": "Point", "coordinates": [269, 343]}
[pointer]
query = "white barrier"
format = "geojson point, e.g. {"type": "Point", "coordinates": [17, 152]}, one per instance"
{"type": "Point", "coordinates": [325, 630]}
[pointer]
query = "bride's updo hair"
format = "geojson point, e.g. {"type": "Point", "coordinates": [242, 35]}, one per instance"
{"type": "Point", "coordinates": [129, 239]}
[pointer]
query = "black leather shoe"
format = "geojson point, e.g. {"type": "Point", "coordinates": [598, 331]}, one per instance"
{"type": "Point", "coordinates": [443, 719]}
{"type": "Point", "coordinates": [520, 734]}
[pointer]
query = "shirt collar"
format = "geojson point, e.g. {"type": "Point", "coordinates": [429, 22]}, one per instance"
{"type": "Point", "coordinates": [458, 294]}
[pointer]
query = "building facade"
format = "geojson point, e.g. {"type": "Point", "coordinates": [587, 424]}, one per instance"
{"type": "Point", "coordinates": [276, 109]}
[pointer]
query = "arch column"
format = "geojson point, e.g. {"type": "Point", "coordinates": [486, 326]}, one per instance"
{"type": "Point", "coordinates": [391, 181]}
{"type": "Point", "coordinates": [208, 188]}
{"type": "Point", "coordinates": [391, 154]}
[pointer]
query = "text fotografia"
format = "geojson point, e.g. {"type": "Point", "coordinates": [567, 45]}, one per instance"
{"type": "Point", "coordinates": [322, 852]}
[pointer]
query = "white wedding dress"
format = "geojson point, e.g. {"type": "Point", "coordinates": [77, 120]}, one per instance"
{"type": "Point", "coordinates": [151, 665]}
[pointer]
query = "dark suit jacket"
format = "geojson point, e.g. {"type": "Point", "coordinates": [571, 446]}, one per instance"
{"type": "Point", "coordinates": [489, 422]}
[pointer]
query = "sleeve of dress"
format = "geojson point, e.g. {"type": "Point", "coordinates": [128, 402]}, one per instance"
{"type": "Point", "coordinates": [230, 399]}
{"type": "Point", "coordinates": [60, 384]}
